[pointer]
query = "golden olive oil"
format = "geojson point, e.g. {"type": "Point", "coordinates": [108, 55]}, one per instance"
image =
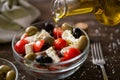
{"type": "Point", "coordinates": [105, 11]}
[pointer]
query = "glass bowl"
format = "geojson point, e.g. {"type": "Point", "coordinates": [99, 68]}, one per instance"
{"type": "Point", "coordinates": [11, 65]}
{"type": "Point", "coordinates": [55, 70]}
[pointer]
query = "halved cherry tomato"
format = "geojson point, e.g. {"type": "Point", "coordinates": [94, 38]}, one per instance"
{"type": "Point", "coordinates": [60, 43]}
{"type": "Point", "coordinates": [57, 32]}
{"type": "Point", "coordinates": [70, 53]}
{"type": "Point", "coordinates": [38, 45]}
{"type": "Point", "coordinates": [20, 46]}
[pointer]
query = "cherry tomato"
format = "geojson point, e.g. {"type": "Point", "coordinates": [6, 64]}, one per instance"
{"type": "Point", "coordinates": [60, 43]}
{"type": "Point", "coordinates": [70, 53]}
{"type": "Point", "coordinates": [20, 46]}
{"type": "Point", "coordinates": [57, 31]}
{"type": "Point", "coordinates": [38, 45]}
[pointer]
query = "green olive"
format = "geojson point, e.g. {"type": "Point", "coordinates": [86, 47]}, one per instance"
{"type": "Point", "coordinates": [31, 30]}
{"type": "Point", "coordinates": [4, 69]}
{"type": "Point", "coordinates": [81, 43]}
{"type": "Point", "coordinates": [49, 40]}
{"type": "Point", "coordinates": [30, 56]}
{"type": "Point", "coordinates": [10, 75]}
{"type": "Point", "coordinates": [66, 26]}
{"type": "Point", "coordinates": [1, 76]}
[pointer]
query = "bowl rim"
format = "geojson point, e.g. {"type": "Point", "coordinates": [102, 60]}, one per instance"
{"type": "Point", "coordinates": [59, 63]}
{"type": "Point", "coordinates": [15, 68]}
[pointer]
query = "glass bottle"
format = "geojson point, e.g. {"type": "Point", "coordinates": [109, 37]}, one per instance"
{"type": "Point", "coordinates": [105, 11]}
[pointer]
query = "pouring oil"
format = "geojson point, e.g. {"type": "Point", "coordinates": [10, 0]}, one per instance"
{"type": "Point", "coordinates": [105, 11]}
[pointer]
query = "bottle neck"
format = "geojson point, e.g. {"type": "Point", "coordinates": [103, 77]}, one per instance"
{"type": "Point", "coordinates": [63, 8]}
{"type": "Point", "coordinates": [79, 7]}
{"type": "Point", "coordinates": [59, 9]}
{"type": "Point", "coordinates": [105, 11]}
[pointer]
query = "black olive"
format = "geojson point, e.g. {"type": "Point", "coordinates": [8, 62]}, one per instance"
{"type": "Point", "coordinates": [76, 32]}
{"type": "Point", "coordinates": [49, 27]}
{"type": "Point", "coordinates": [43, 59]}
{"type": "Point", "coordinates": [47, 59]}
{"type": "Point", "coordinates": [45, 25]}
{"type": "Point", "coordinates": [40, 58]}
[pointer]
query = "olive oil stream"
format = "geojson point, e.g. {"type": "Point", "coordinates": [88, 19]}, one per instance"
{"type": "Point", "coordinates": [105, 11]}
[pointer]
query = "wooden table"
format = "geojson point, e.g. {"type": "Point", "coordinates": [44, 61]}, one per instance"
{"type": "Point", "coordinates": [108, 36]}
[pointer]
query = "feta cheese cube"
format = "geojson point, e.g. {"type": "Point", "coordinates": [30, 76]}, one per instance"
{"type": "Point", "coordinates": [52, 53]}
{"type": "Point", "coordinates": [29, 48]}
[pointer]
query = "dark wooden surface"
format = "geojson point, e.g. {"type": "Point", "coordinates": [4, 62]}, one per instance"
{"type": "Point", "coordinates": [108, 36]}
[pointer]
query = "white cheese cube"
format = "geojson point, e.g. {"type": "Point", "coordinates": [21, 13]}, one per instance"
{"type": "Point", "coordinates": [29, 48]}
{"type": "Point", "coordinates": [33, 38]}
{"type": "Point", "coordinates": [43, 34]}
{"type": "Point", "coordinates": [52, 53]}
{"type": "Point", "coordinates": [67, 35]}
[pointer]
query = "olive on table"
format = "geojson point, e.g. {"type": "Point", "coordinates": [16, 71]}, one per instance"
{"type": "Point", "coordinates": [31, 30]}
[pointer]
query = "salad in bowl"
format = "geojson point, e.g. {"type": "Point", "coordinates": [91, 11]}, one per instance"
{"type": "Point", "coordinates": [47, 51]}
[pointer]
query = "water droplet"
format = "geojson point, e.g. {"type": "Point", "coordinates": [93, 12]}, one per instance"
{"type": "Point", "coordinates": [115, 60]}
{"type": "Point", "coordinates": [111, 36]}
{"type": "Point", "coordinates": [109, 46]}
{"type": "Point", "coordinates": [88, 69]}
{"type": "Point", "coordinates": [99, 76]}
{"type": "Point", "coordinates": [114, 51]}
{"type": "Point", "coordinates": [97, 31]}
{"type": "Point", "coordinates": [106, 29]}
{"type": "Point", "coordinates": [107, 64]}
{"type": "Point", "coordinates": [118, 41]}
{"type": "Point", "coordinates": [110, 50]}
{"type": "Point", "coordinates": [117, 31]}
{"type": "Point", "coordinates": [114, 45]}
{"type": "Point", "coordinates": [113, 71]}
{"type": "Point", "coordinates": [23, 77]}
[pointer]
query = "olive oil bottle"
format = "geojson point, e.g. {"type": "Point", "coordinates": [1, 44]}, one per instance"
{"type": "Point", "coordinates": [105, 11]}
